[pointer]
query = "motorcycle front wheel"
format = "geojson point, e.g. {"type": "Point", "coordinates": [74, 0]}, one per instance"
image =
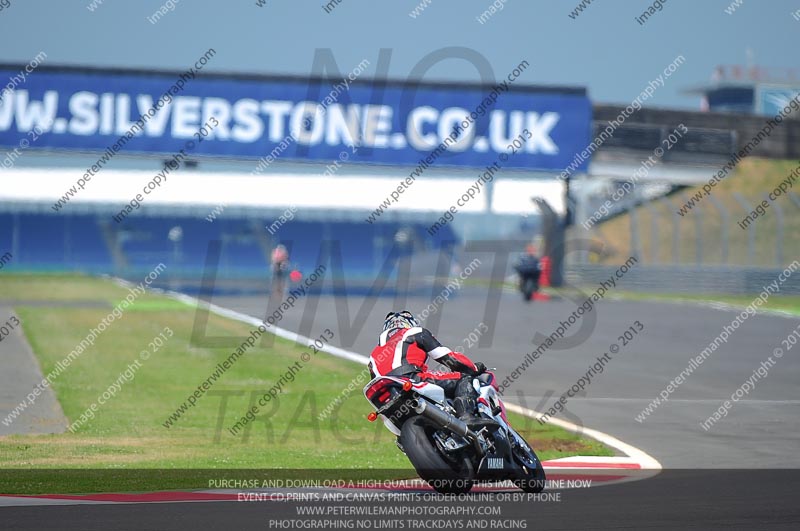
{"type": "Point", "coordinates": [532, 478]}
{"type": "Point", "coordinates": [528, 289]}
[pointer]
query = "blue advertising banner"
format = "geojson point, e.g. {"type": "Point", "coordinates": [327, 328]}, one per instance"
{"type": "Point", "coordinates": [295, 119]}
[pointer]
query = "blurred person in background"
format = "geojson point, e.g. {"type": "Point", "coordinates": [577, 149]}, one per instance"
{"type": "Point", "coordinates": [280, 268]}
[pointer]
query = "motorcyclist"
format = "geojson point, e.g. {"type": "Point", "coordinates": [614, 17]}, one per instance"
{"type": "Point", "coordinates": [529, 270]}
{"type": "Point", "coordinates": [404, 349]}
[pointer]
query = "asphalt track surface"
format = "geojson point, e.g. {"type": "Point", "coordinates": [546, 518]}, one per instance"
{"type": "Point", "coordinates": [19, 374]}
{"type": "Point", "coordinates": [760, 430]}
{"type": "Point", "coordinates": [759, 433]}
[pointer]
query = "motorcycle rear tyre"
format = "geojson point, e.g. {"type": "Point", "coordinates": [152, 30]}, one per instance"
{"type": "Point", "coordinates": [445, 477]}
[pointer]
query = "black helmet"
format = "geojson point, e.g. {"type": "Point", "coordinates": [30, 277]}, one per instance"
{"type": "Point", "coordinates": [404, 319]}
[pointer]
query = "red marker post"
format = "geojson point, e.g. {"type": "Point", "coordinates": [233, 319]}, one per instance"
{"type": "Point", "coordinates": [544, 279]}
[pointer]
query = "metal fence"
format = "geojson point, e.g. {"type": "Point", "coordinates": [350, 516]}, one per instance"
{"type": "Point", "coordinates": [712, 233]}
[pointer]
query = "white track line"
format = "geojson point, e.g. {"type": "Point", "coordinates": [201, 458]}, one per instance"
{"type": "Point", "coordinates": [644, 460]}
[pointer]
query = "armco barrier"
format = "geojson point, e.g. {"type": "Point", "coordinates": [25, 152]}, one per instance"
{"type": "Point", "coordinates": [686, 280]}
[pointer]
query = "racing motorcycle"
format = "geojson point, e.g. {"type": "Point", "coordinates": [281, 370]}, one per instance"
{"type": "Point", "coordinates": [445, 452]}
{"type": "Point", "coordinates": [528, 286]}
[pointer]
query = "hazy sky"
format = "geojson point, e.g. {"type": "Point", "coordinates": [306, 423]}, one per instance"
{"type": "Point", "coordinates": [604, 48]}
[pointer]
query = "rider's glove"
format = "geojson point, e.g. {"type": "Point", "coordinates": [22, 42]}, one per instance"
{"type": "Point", "coordinates": [480, 368]}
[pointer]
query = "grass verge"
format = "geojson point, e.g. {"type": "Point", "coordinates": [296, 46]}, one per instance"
{"type": "Point", "coordinates": [127, 432]}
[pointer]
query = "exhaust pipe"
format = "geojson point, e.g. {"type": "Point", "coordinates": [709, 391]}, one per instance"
{"type": "Point", "coordinates": [444, 419]}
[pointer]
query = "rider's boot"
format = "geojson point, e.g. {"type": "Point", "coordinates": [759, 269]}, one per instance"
{"type": "Point", "coordinates": [467, 411]}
